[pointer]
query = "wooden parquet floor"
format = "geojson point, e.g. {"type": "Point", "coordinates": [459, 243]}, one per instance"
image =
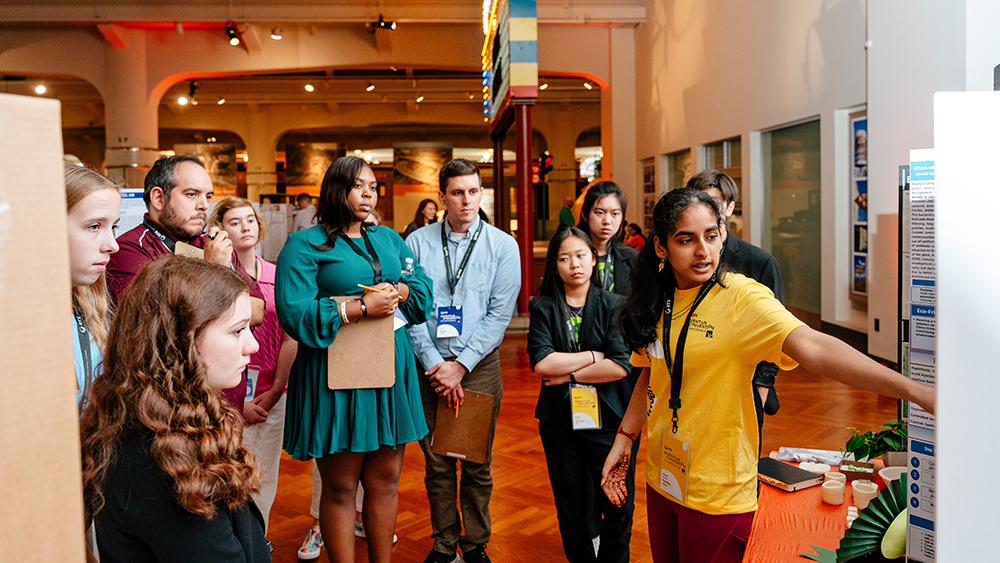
{"type": "Point", "coordinates": [815, 412]}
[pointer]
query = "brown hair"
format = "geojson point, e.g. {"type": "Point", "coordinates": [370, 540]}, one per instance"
{"type": "Point", "coordinates": [92, 300]}
{"type": "Point", "coordinates": [454, 168]}
{"type": "Point", "coordinates": [711, 178]}
{"type": "Point", "coordinates": [232, 202]}
{"type": "Point", "coordinates": [154, 384]}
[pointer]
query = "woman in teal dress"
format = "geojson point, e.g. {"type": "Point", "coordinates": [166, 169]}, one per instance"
{"type": "Point", "coordinates": [354, 434]}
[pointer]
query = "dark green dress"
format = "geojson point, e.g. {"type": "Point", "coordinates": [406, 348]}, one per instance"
{"type": "Point", "coordinates": [318, 420]}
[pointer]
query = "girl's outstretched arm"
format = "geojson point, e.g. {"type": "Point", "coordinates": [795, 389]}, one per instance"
{"type": "Point", "coordinates": [825, 355]}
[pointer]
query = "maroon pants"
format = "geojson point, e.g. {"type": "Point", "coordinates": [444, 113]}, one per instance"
{"type": "Point", "coordinates": [681, 535]}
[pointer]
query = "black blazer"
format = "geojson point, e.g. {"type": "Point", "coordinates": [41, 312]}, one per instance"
{"type": "Point", "coordinates": [547, 333]}
{"type": "Point", "coordinates": [758, 265]}
{"type": "Point", "coordinates": [141, 520]}
{"type": "Point", "coordinates": [624, 259]}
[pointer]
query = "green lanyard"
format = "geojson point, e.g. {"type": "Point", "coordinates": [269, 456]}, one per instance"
{"type": "Point", "coordinates": [608, 275]}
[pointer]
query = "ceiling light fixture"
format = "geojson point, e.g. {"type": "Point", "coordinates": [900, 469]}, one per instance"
{"type": "Point", "coordinates": [543, 86]}
{"type": "Point", "coordinates": [393, 68]}
{"type": "Point", "coordinates": [381, 24]}
{"type": "Point", "coordinates": [587, 85]}
{"type": "Point", "coordinates": [357, 151]}
{"type": "Point", "coordinates": [420, 98]}
{"type": "Point", "coordinates": [221, 101]}
{"type": "Point", "coordinates": [370, 87]}
{"type": "Point", "coordinates": [309, 88]}
{"type": "Point", "coordinates": [276, 33]}
{"type": "Point", "coordinates": [182, 101]}
{"type": "Point", "coordinates": [233, 34]}
{"type": "Point", "coordinates": [40, 89]}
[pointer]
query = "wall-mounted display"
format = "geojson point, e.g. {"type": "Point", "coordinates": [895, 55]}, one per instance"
{"type": "Point", "coordinates": [306, 163]}
{"type": "Point", "coordinates": [859, 204]}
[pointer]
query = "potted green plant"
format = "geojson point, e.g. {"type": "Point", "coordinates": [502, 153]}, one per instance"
{"type": "Point", "coordinates": [890, 443]}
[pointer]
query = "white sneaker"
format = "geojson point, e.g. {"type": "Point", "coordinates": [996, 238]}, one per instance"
{"type": "Point", "coordinates": [359, 530]}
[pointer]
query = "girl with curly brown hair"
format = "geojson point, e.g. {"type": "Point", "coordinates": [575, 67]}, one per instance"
{"type": "Point", "coordinates": [165, 475]}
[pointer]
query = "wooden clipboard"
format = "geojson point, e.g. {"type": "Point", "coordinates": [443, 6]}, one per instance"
{"type": "Point", "coordinates": [466, 435]}
{"type": "Point", "coordinates": [363, 356]}
{"type": "Point", "coordinates": [182, 248]}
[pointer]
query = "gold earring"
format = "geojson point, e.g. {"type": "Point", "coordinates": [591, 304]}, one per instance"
{"type": "Point", "coordinates": [663, 262]}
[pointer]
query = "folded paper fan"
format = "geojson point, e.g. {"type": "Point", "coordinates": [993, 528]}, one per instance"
{"type": "Point", "coordinates": [865, 535]}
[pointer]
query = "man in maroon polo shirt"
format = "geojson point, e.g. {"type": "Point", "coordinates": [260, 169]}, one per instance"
{"type": "Point", "coordinates": [177, 192]}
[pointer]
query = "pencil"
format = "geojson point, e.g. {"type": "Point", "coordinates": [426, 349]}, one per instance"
{"type": "Point", "coordinates": [371, 288]}
{"type": "Point", "coordinates": [456, 408]}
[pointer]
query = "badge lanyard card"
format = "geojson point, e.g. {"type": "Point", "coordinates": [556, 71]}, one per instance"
{"type": "Point", "coordinates": [675, 454]}
{"type": "Point", "coordinates": [449, 319]}
{"type": "Point", "coordinates": [584, 403]}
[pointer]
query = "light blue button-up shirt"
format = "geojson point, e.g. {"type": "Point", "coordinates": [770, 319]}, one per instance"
{"type": "Point", "coordinates": [487, 291]}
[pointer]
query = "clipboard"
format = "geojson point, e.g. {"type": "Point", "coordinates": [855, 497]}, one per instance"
{"type": "Point", "coordinates": [466, 436]}
{"type": "Point", "coordinates": [182, 248]}
{"type": "Point", "coordinates": [363, 356]}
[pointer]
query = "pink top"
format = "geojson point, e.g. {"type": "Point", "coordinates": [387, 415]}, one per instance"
{"type": "Point", "coordinates": [269, 334]}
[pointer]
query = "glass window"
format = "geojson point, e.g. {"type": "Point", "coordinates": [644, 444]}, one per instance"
{"type": "Point", "coordinates": [725, 156]}
{"type": "Point", "coordinates": [792, 211]}
{"type": "Point", "coordinates": [678, 169]}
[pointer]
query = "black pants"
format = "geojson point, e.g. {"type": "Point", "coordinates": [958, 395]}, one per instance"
{"type": "Point", "coordinates": [575, 459]}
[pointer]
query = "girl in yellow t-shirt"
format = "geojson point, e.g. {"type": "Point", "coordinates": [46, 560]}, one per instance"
{"type": "Point", "coordinates": [696, 382]}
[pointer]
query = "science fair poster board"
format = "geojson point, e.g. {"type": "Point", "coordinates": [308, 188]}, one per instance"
{"type": "Point", "coordinates": [921, 461]}
{"type": "Point", "coordinates": [966, 145]}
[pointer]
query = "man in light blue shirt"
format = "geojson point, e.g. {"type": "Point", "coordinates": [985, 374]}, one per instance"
{"type": "Point", "coordinates": [476, 275]}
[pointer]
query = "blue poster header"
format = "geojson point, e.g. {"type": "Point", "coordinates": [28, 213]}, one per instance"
{"type": "Point", "coordinates": [922, 171]}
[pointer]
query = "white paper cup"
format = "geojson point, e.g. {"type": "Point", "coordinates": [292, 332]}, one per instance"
{"type": "Point", "coordinates": [864, 492]}
{"type": "Point", "coordinates": [833, 492]}
{"type": "Point", "coordinates": [835, 476]}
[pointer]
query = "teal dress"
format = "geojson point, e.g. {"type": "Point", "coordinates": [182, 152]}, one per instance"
{"type": "Point", "coordinates": [321, 421]}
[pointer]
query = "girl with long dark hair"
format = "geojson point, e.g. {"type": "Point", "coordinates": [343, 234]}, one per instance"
{"type": "Point", "coordinates": [701, 463]}
{"type": "Point", "coordinates": [574, 345]}
{"type": "Point", "coordinates": [603, 219]}
{"type": "Point", "coordinates": [354, 434]}
{"type": "Point", "coordinates": [165, 474]}
{"type": "Point", "coordinates": [425, 215]}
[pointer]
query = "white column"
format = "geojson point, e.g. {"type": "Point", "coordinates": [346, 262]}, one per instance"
{"type": "Point", "coordinates": [623, 163]}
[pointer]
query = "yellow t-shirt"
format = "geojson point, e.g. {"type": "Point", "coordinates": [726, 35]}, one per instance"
{"type": "Point", "coordinates": [732, 330]}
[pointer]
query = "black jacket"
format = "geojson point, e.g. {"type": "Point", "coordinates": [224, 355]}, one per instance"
{"type": "Point", "coordinates": [548, 333]}
{"type": "Point", "coordinates": [758, 265]}
{"type": "Point", "coordinates": [141, 520]}
{"type": "Point", "coordinates": [624, 259]}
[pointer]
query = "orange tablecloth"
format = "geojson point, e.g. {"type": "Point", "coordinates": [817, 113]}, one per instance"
{"type": "Point", "coordinates": [787, 523]}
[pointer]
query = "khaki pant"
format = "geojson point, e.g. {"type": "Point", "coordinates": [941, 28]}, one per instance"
{"type": "Point", "coordinates": [444, 491]}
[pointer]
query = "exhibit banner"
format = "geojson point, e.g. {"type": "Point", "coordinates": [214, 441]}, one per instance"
{"type": "Point", "coordinates": [920, 537]}
{"type": "Point", "coordinates": [219, 160]}
{"type": "Point", "coordinates": [415, 177]}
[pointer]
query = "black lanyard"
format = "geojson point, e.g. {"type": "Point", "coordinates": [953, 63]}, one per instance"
{"type": "Point", "coordinates": [372, 259]}
{"type": "Point", "coordinates": [608, 279]}
{"type": "Point", "coordinates": [677, 369]}
{"type": "Point", "coordinates": [83, 333]}
{"type": "Point", "coordinates": [454, 279]}
{"type": "Point", "coordinates": [167, 241]}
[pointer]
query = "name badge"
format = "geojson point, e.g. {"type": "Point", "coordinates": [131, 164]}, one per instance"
{"type": "Point", "coordinates": [584, 401]}
{"type": "Point", "coordinates": [675, 459]}
{"type": "Point", "coordinates": [449, 322]}
{"type": "Point", "coordinates": [252, 374]}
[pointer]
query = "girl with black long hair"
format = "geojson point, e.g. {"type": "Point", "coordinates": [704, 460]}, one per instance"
{"type": "Point", "coordinates": [698, 368]}
{"type": "Point", "coordinates": [603, 219]}
{"type": "Point", "coordinates": [574, 345]}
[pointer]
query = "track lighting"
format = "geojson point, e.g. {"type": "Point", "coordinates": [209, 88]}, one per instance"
{"type": "Point", "coordinates": [543, 86]}
{"type": "Point", "coordinates": [233, 34]}
{"type": "Point", "coordinates": [587, 86]}
{"type": "Point", "coordinates": [381, 24]}
{"type": "Point", "coordinates": [40, 89]}
{"type": "Point", "coordinates": [276, 33]}
{"type": "Point", "coordinates": [309, 88]}
{"type": "Point", "coordinates": [420, 98]}
{"type": "Point", "coordinates": [370, 87]}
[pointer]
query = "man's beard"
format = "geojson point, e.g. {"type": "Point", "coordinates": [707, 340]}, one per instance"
{"type": "Point", "coordinates": [174, 224]}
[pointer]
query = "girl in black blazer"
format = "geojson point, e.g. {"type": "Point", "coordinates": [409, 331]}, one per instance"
{"type": "Point", "coordinates": [602, 218]}
{"type": "Point", "coordinates": [574, 345]}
